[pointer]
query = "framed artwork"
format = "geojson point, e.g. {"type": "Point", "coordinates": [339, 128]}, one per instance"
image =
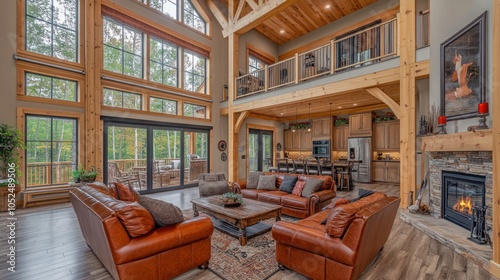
{"type": "Point", "coordinates": [463, 71]}
{"type": "Point", "coordinates": [222, 145]}
{"type": "Point", "coordinates": [223, 156]}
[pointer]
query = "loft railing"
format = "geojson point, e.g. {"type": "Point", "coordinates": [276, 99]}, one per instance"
{"type": "Point", "coordinates": [359, 49]}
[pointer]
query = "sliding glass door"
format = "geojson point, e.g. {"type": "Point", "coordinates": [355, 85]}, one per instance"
{"type": "Point", "coordinates": [260, 144]}
{"type": "Point", "coordinates": [196, 155]}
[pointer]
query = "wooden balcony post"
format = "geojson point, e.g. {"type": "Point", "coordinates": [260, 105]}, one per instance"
{"type": "Point", "coordinates": [266, 77]}
{"type": "Point", "coordinates": [232, 132]}
{"type": "Point", "coordinates": [297, 68]}
{"type": "Point", "coordinates": [334, 56]}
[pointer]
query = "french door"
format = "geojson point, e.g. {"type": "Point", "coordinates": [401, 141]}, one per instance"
{"type": "Point", "coordinates": [260, 143]}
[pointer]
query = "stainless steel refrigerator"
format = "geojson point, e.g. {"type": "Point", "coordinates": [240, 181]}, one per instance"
{"type": "Point", "coordinates": [360, 151]}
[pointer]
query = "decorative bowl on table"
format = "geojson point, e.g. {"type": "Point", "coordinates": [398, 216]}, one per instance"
{"type": "Point", "coordinates": [231, 199]}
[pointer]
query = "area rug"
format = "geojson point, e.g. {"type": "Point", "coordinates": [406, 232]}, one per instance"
{"type": "Point", "coordinates": [255, 261]}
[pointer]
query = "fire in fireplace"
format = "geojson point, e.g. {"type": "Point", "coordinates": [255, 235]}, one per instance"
{"type": "Point", "coordinates": [462, 192]}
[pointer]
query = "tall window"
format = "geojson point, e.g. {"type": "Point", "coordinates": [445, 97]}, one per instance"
{"type": "Point", "coordinates": [163, 60]}
{"type": "Point", "coordinates": [192, 19]}
{"type": "Point", "coordinates": [123, 49]}
{"type": "Point", "coordinates": [181, 10]}
{"type": "Point", "coordinates": [52, 28]}
{"type": "Point", "coordinates": [168, 7]}
{"type": "Point", "coordinates": [50, 87]}
{"type": "Point", "coordinates": [121, 99]}
{"type": "Point", "coordinates": [194, 72]}
{"type": "Point", "coordinates": [51, 150]}
{"type": "Point", "coordinates": [254, 64]}
{"type": "Point", "coordinates": [161, 105]}
{"type": "Point", "coordinates": [196, 111]}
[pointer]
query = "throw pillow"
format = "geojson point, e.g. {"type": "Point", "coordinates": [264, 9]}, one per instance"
{"type": "Point", "coordinates": [253, 180]}
{"type": "Point", "coordinates": [100, 187]}
{"type": "Point", "coordinates": [288, 183]}
{"type": "Point", "coordinates": [211, 177]}
{"type": "Point", "coordinates": [125, 193]}
{"type": "Point", "coordinates": [338, 202]}
{"type": "Point", "coordinates": [299, 186]}
{"type": "Point", "coordinates": [362, 193]}
{"type": "Point", "coordinates": [267, 182]}
{"type": "Point", "coordinates": [312, 185]}
{"type": "Point", "coordinates": [136, 219]}
{"type": "Point", "coordinates": [163, 213]}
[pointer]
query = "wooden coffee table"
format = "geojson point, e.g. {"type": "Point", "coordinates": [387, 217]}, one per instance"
{"type": "Point", "coordinates": [241, 221]}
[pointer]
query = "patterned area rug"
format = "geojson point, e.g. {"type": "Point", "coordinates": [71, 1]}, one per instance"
{"type": "Point", "coordinates": [255, 261]}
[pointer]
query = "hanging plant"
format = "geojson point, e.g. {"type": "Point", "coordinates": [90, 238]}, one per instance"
{"type": "Point", "coordinates": [341, 121]}
{"type": "Point", "coordinates": [388, 116]}
{"type": "Point", "coordinates": [298, 126]}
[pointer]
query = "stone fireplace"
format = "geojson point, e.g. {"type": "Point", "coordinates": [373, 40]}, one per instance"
{"type": "Point", "coordinates": [460, 175]}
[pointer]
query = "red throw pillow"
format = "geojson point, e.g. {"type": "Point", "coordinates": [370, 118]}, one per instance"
{"type": "Point", "coordinates": [124, 193]}
{"type": "Point", "coordinates": [341, 201]}
{"type": "Point", "coordinates": [136, 219]}
{"type": "Point", "coordinates": [299, 186]}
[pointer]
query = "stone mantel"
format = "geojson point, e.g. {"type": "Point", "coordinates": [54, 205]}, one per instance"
{"type": "Point", "coordinates": [479, 140]}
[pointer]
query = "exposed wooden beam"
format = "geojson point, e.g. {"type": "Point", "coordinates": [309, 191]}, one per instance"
{"type": "Point", "coordinates": [378, 93]}
{"type": "Point", "coordinates": [263, 117]}
{"type": "Point", "coordinates": [422, 69]}
{"type": "Point", "coordinates": [238, 11]}
{"type": "Point", "coordinates": [257, 16]}
{"type": "Point", "coordinates": [252, 4]}
{"type": "Point", "coordinates": [241, 118]}
{"type": "Point", "coordinates": [479, 140]}
{"type": "Point", "coordinates": [219, 15]}
{"type": "Point", "coordinates": [232, 150]}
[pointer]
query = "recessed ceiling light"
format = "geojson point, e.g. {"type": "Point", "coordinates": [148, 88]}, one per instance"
{"type": "Point", "coordinates": [282, 31]}
{"type": "Point", "coordinates": [340, 107]}
{"type": "Point", "coordinates": [328, 6]}
{"type": "Point", "coordinates": [355, 104]}
{"type": "Point", "coordinates": [281, 114]}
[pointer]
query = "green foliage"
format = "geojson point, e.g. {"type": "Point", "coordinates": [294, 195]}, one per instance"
{"type": "Point", "coordinates": [388, 116]}
{"type": "Point", "coordinates": [298, 126]}
{"type": "Point", "coordinates": [341, 121]}
{"type": "Point", "coordinates": [82, 175]}
{"type": "Point", "coordinates": [233, 196]}
{"type": "Point", "coordinates": [10, 143]}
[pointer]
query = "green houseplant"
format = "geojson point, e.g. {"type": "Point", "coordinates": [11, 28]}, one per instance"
{"type": "Point", "coordinates": [83, 175]}
{"type": "Point", "coordinates": [11, 143]}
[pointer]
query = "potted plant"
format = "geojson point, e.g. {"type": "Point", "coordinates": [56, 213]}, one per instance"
{"type": "Point", "coordinates": [82, 175]}
{"type": "Point", "coordinates": [11, 143]}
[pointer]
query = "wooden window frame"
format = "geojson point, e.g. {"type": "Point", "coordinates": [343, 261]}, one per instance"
{"type": "Point", "coordinates": [196, 104]}
{"type": "Point", "coordinates": [178, 60]}
{"type": "Point", "coordinates": [262, 56]}
{"type": "Point", "coordinates": [122, 92]}
{"type": "Point", "coordinates": [21, 125]}
{"type": "Point", "coordinates": [164, 99]}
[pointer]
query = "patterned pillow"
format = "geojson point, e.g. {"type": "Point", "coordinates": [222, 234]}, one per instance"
{"type": "Point", "coordinates": [163, 213]}
{"type": "Point", "coordinates": [312, 185]}
{"type": "Point", "coordinates": [253, 180]}
{"type": "Point", "coordinates": [211, 177]}
{"type": "Point", "coordinates": [299, 186]}
{"type": "Point", "coordinates": [267, 182]}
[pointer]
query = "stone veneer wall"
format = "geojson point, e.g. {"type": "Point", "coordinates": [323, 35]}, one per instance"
{"type": "Point", "coordinates": [477, 163]}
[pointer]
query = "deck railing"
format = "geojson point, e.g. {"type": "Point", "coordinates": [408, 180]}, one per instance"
{"type": "Point", "coordinates": [362, 48]}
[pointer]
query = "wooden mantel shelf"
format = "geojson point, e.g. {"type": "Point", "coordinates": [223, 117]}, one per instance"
{"type": "Point", "coordinates": [479, 140]}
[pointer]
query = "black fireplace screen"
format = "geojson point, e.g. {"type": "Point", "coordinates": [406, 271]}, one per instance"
{"type": "Point", "coordinates": [461, 193]}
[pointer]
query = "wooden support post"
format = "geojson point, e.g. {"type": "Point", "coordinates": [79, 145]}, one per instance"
{"type": "Point", "coordinates": [495, 119]}
{"type": "Point", "coordinates": [232, 117]}
{"type": "Point", "coordinates": [407, 99]}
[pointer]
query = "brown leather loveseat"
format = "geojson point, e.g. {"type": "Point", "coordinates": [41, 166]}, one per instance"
{"type": "Point", "coordinates": [162, 253]}
{"type": "Point", "coordinates": [293, 205]}
{"type": "Point", "coordinates": [343, 247]}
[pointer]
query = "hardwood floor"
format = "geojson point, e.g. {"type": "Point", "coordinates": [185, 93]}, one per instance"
{"type": "Point", "coordinates": [49, 245]}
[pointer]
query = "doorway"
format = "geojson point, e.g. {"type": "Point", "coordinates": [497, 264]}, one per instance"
{"type": "Point", "coordinates": [260, 150]}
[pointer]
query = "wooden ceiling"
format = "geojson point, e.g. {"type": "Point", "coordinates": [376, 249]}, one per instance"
{"type": "Point", "coordinates": [320, 107]}
{"type": "Point", "coordinates": [303, 17]}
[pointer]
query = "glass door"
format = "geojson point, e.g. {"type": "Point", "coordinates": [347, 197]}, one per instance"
{"type": "Point", "coordinates": [166, 158]}
{"type": "Point", "coordinates": [195, 155]}
{"type": "Point", "coordinates": [260, 143]}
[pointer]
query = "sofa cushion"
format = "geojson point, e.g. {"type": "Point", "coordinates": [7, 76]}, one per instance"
{"type": "Point", "coordinates": [211, 177]}
{"type": "Point", "coordinates": [251, 193]}
{"type": "Point", "coordinates": [163, 213]}
{"type": "Point", "coordinates": [312, 185]}
{"type": "Point", "coordinates": [293, 201]}
{"type": "Point", "coordinates": [253, 180]}
{"type": "Point", "coordinates": [125, 193]}
{"type": "Point", "coordinates": [288, 183]}
{"type": "Point", "coordinates": [299, 186]}
{"type": "Point", "coordinates": [101, 187]}
{"type": "Point", "coordinates": [136, 219]}
{"type": "Point", "coordinates": [267, 182]}
{"type": "Point", "coordinates": [273, 197]}
{"type": "Point", "coordinates": [339, 218]}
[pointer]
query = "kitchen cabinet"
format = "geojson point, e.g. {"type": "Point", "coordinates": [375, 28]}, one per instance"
{"type": "Point", "coordinates": [321, 129]}
{"type": "Point", "coordinates": [386, 136]}
{"type": "Point", "coordinates": [360, 124]}
{"type": "Point", "coordinates": [340, 135]}
{"type": "Point", "coordinates": [288, 140]}
{"type": "Point", "coordinates": [386, 171]}
{"type": "Point", "coordinates": [300, 140]}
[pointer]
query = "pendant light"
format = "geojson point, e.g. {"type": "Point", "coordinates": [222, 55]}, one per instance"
{"type": "Point", "coordinates": [295, 125]}
{"type": "Point", "coordinates": [309, 127]}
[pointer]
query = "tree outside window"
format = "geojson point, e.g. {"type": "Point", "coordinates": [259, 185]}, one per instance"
{"type": "Point", "coordinates": [52, 28]}
{"type": "Point", "coordinates": [50, 87]}
{"type": "Point", "coordinates": [255, 64]}
{"type": "Point", "coordinates": [161, 105]}
{"type": "Point", "coordinates": [192, 19]}
{"type": "Point", "coordinates": [181, 9]}
{"type": "Point", "coordinates": [163, 62]}
{"type": "Point", "coordinates": [196, 111]}
{"type": "Point", "coordinates": [194, 72]}
{"type": "Point", "coordinates": [122, 99]}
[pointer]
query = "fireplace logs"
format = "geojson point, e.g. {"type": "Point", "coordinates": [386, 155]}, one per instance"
{"type": "Point", "coordinates": [477, 231]}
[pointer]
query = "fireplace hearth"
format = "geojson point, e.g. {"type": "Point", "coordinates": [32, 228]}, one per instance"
{"type": "Point", "coordinates": [462, 195]}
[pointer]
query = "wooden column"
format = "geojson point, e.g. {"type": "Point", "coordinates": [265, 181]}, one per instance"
{"type": "Point", "coordinates": [407, 99]}
{"type": "Point", "coordinates": [232, 143]}
{"type": "Point", "coordinates": [495, 117]}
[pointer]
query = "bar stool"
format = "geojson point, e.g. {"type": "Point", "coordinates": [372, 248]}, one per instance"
{"type": "Point", "coordinates": [327, 170]}
{"type": "Point", "coordinates": [282, 165]}
{"type": "Point", "coordinates": [345, 178]}
{"type": "Point", "coordinates": [300, 167]}
{"type": "Point", "coordinates": [312, 167]}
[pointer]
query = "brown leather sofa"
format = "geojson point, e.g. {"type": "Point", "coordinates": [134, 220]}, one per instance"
{"type": "Point", "coordinates": [163, 253]}
{"type": "Point", "coordinates": [342, 248]}
{"type": "Point", "coordinates": [293, 205]}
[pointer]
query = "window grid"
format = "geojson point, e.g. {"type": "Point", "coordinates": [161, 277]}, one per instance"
{"type": "Point", "coordinates": [163, 64]}
{"type": "Point", "coordinates": [195, 111]}
{"type": "Point", "coordinates": [178, 9]}
{"type": "Point", "coordinates": [193, 73]}
{"type": "Point", "coordinates": [53, 26]}
{"type": "Point", "coordinates": [254, 64]}
{"type": "Point", "coordinates": [161, 105]}
{"type": "Point", "coordinates": [66, 96]}
{"type": "Point", "coordinates": [191, 17]}
{"type": "Point", "coordinates": [127, 100]}
{"type": "Point", "coordinates": [167, 7]}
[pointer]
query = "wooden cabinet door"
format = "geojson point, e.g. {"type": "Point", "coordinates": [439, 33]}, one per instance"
{"type": "Point", "coordinates": [307, 140]}
{"type": "Point", "coordinates": [288, 140]}
{"type": "Point", "coordinates": [392, 172]}
{"type": "Point", "coordinates": [379, 137]}
{"type": "Point", "coordinates": [393, 135]}
{"type": "Point", "coordinates": [325, 127]}
{"type": "Point", "coordinates": [354, 124]}
{"type": "Point", "coordinates": [337, 138]}
{"type": "Point", "coordinates": [366, 122]}
{"type": "Point", "coordinates": [316, 128]}
{"type": "Point", "coordinates": [321, 128]}
{"type": "Point", "coordinates": [360, 124]}
{"type": "Point", "coordinates": [345, 136]}
{"type": "Point", "coordinates": [379, 171]}
{"type": "Point", "coordinates": [296, 140]}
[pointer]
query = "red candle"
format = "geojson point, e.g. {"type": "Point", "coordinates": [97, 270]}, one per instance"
{"type": "Point", "coordinates": [482, 108]}
{"type": "Point", "coordinates": [442, 120]}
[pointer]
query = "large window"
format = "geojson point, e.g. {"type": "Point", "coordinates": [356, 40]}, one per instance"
{"type": "Point", "coordinates": [51, 150]}
{"type": "Point", "coordinates": [121, 99]}
{"type": "Point", "coordinates": [163, 62]}
{"type": "Point", "coordinates": [192, 19]}
{"type": "Point", "coordinates": [161, 105]}
{"type": "Point", "coordinates": [123, 49]}
{"type": "Point", "coordinates": [194, 72]}
{"type": "Point", "coordinates": [52, 28]}
{"type": "Point", "coordinates": [181, 9]}
{"type": "Point", "coordinates": [196, 111]}
{"type": "Point", "coordinates": [50, 87]}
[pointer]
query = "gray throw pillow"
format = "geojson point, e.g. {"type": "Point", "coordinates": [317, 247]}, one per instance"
{"type": "Point", "coordinates": [312, 185]}
{"type": "Point", "coordinates": [163, 213]}
{"type": "Point", "coordinates": [253, 180]}
{"type": "Point", "coordinates": [288, 183]}
{"type": "Point", "coordinates": [211, 177]}
{"type": "Point", "coordinates": [267, 182]}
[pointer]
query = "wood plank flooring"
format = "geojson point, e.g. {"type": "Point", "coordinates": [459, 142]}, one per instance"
{"type": "Point", "coordinates": [49, 245]}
